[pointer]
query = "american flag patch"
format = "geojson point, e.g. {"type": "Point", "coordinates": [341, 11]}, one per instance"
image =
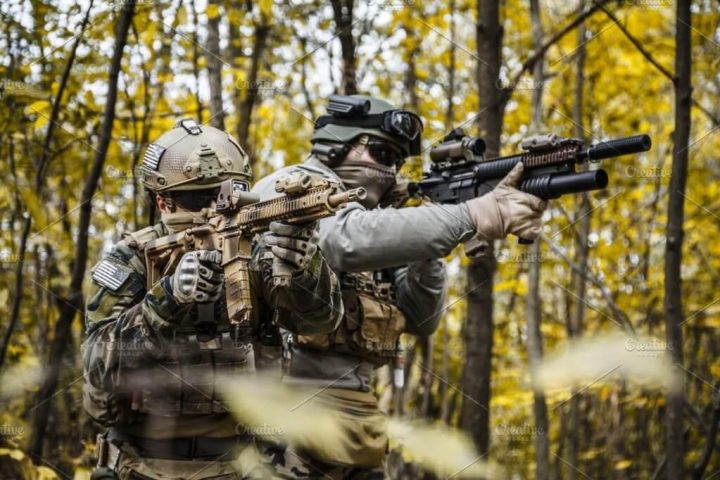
{"type": "Point", "coordinates": [152, 156]}
{"type": "Point", "coordinates": [110, 275]}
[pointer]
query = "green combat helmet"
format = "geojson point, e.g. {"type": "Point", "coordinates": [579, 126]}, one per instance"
{"type": "Point", "coordinates": [191, 157]}
{"type": "Point", "coordinates": [349, 117]}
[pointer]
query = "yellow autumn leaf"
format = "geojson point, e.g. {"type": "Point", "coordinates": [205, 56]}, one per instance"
{"type": "Point", "coordinates": [182, 17]}
{"type": "Point", "coordinates": [623, 464]}
{"type": "Point", "coordinates": [38, 107]}
{"type": "Point", "coordinates": [715, 368]}
{"type": "Point", "coordinates": [266, 8]}
{"type": "Point", "coordinates": [45, 473]}
{"type": "Point", "coordinates": [34, 208]}
{"type": "Point", "coordinates": [13, 453]}
{"type": "Point", "coordinates": [590, 454]}
{"type": "Point", "coordinates": [83, 473]}
{"type": "Point", "coordinates": [213, 11]}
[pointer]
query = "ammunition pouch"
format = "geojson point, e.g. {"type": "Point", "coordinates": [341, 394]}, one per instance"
{"type": "Point", "coordinates": [371, 326]}
{"type": "Point", "coordinates": [185, 381]}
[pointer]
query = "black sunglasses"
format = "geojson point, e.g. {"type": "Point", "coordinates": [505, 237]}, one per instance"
{"type": "Point", "coordinates": [385, 154]}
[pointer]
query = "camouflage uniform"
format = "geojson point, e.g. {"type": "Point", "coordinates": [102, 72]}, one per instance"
{"type": "Point", "coordinates": [390, 266]}
{"type": "Point", "coordinates": [389, 261]}
{"type": "Point", "coordinates": [393, 282]}
{"type": "Point", "coordinates": [151, 375]}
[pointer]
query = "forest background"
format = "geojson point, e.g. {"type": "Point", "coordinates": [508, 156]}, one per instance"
{"type": "Point", "coordinates": [85, 86]}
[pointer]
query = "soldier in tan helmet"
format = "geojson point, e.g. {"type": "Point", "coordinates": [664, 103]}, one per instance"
{"type": "Point", "coordinates": [391, 268]}
{"type": "Point", "coordinates": [151, 359]}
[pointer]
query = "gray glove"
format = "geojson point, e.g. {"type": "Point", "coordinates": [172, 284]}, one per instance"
{"type": "Point", "coordinates": [293, 245]}
{"type": "Point", "coordinates": [507, 210]}
{"type": "Point", "coordinates": [198, 277]}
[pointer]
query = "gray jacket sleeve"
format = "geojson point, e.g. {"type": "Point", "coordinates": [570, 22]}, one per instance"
{"type": "Point", "coordinates": [359, 240]}
{"type": "Point", "coordinates": [421, 293]}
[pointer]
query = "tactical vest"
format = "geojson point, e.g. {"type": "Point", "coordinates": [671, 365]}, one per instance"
{"type": "Point", "coordinates": [184, 380]}
{"type": "Point", "coordinates": [372, 324]}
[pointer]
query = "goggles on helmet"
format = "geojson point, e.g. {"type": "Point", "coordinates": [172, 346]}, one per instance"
{"type": "Point", "coordinates": [405, 126]}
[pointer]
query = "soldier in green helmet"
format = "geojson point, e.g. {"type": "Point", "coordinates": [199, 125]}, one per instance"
{"type": "Point", "coordinates": [390, 264]}
{"type": "Point", "coordinates": [151, 359]}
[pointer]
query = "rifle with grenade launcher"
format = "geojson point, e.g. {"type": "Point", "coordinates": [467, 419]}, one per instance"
{"type": "Point", "coordinates": [461, 172]}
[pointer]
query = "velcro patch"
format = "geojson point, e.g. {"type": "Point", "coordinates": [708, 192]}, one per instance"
{"type": "Point", "coordinates": [152, 156]}
{"type": "Point", "coordinates": [110, 275]}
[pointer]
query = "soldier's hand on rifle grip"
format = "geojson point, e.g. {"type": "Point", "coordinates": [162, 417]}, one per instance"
{"type": "Point", "coordinates": [293, 247]}
{"type": "Point", "coordinates": [198, 277]}
{"type": "Point", "coordinates": [507, 210]}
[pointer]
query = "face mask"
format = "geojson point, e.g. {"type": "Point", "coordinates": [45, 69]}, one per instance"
{"type": "Point", "coordinates": [178, 221]}
{"type": "Point", "coordinates": [375, 178]}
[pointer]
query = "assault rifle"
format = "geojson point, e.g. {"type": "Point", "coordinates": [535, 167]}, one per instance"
{"type": "Point", "coordinates": [461, 172]}
{"type": "Point", "coordinates": [236, 218]}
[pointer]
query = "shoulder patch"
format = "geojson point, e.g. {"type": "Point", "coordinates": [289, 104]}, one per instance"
{"type": "Point", "coordinates": [111, 275]}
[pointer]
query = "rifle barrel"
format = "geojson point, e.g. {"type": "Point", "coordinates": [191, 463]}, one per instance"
{"type": "Point", "coordinates": [337, 199]}
{"type": "Point", "coordinates": [616, 148]}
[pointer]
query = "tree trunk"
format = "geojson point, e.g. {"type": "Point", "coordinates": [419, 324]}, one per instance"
{"type": "Point", "coordinates": [541, 434]}
{"type": "Point", "coordinates": [195, 61]}
{"type": "Point", "coordinates": [74, 301]}
{"type": "Point", "coordinates": [343, 14]}
{"type": "Point", "coordinates": [449, 122]}
{"type": "Point", "coordinates": [214, 66]}
{"type": "Point", "coordinates": [675, 444]}
{"type": "Point", "coordinates": [475, 412]}
{"type": "Point", "coordinates": [249, 94]}
{"type": "Point", "coordinates": [583, 211]}
{"type": "Point", "coordinates": [40, 169]}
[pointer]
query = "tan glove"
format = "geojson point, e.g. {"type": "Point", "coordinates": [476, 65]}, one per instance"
{"type": "Point", "coordinates": [507, 210]}
{"type": "Point", "coordinates": [294, 245]}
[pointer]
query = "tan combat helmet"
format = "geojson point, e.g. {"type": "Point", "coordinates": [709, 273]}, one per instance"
{"type": "Point", "coordinates": [192, 157]}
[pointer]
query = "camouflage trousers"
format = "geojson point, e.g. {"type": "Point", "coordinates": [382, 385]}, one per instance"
{"type": "Point", "coordinates": [285, 463]}
{"type": "Point", "coordinates": [357, 454]}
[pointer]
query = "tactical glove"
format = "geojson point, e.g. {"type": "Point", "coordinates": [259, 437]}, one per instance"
{"type": "Point", "coordinates": [507, 210]}
{"type": "Point", "coordinates": [293, 245]}
{"type": "Point", "coordinates": [198, 277]}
